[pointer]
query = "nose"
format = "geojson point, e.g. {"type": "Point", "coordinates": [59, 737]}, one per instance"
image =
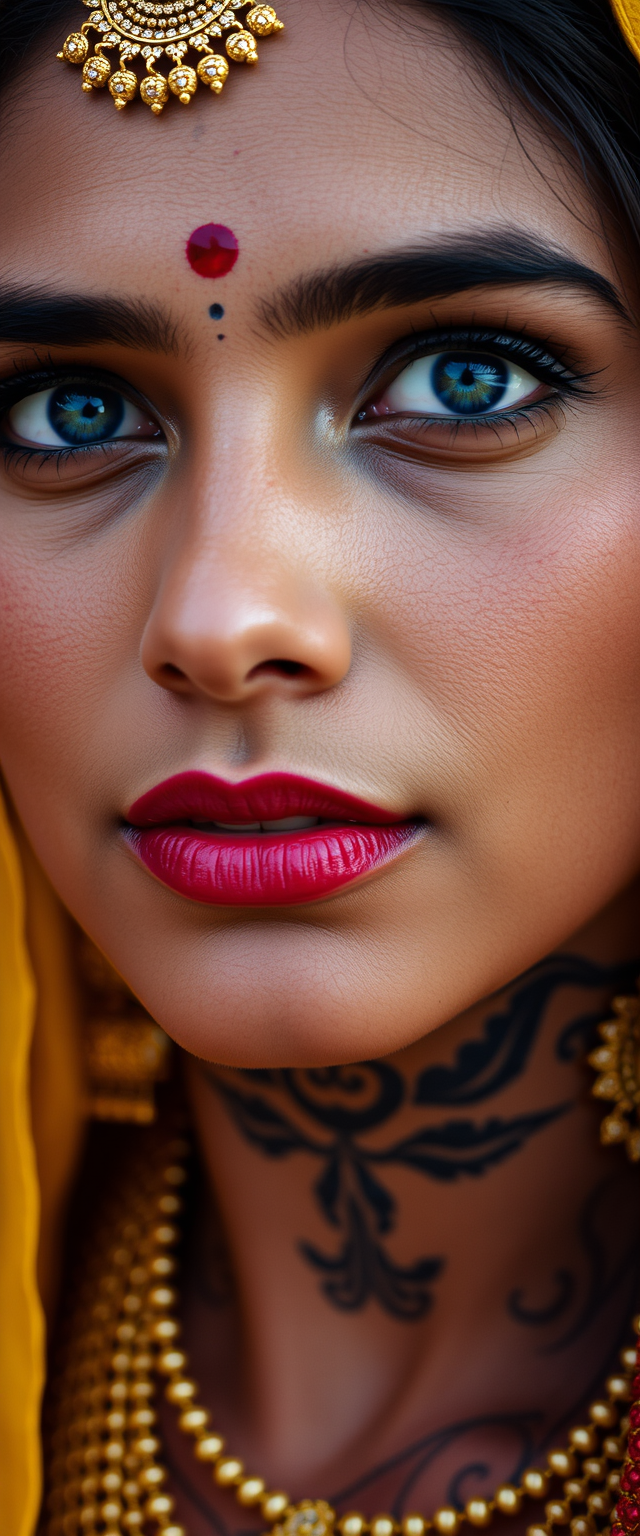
{"type": "Point", "coordinates": [233, 619]}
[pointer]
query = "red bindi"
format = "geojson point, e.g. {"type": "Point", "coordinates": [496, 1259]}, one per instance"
{"type": "Point", "coordinates": [212, 250]}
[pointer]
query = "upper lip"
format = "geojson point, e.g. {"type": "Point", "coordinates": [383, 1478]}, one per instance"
{"type": "Point", "coordinates": [200, 796]}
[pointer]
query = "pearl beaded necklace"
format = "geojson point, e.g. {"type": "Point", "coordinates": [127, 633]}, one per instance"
{"type": "Point", "coordinates": [104, 1468]}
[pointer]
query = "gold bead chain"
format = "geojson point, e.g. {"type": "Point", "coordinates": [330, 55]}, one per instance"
{"type": "Point", "coordinates": [103, 1455]}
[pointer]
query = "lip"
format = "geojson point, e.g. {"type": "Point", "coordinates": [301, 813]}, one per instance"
{"type": "Point", "coordinates": [261, 868]}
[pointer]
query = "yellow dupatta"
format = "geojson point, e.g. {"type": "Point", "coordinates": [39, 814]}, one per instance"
{"type": "Point", "coordinates": [627, 14]}
{"type": "Point", "coordinates": [40, 1134]}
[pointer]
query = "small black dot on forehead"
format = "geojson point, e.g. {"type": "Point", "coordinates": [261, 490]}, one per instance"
{"type": "Point", "coordinates": [216, 311]}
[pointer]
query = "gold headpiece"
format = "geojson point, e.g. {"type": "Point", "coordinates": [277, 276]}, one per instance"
{"type": "Point", "coordinates": [627, 14]}
{"type": "Point", "coordinates": [147, 29]}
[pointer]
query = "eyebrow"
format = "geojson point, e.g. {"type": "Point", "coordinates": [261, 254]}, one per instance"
{"type": "Point", "coordinates": [314, 301]}
{"type": "Point", "coordinates": [76, 320]}
{"type": "Point", "coordinates": [413, 275]}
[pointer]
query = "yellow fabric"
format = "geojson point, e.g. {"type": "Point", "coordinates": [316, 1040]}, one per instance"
{"type": "Point", "coordinates": [56, 1087]}
{"type": "Point", "coordinates": [627, 14]}
{"type": "Point", "coordinates": [22, 1325]}
{"type": "Point", "coordinates": [40, 1129]}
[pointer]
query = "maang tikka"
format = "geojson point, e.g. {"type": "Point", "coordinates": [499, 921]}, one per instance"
{"type": "Point", "coordinates": [147, 29]}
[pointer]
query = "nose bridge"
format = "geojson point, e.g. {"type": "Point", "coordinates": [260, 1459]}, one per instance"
{"type": "Point", "coordinates": [244, 601]}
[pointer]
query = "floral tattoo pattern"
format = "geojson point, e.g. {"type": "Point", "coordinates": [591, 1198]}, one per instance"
{"type": "Point", "coordinates": [329, 1112]}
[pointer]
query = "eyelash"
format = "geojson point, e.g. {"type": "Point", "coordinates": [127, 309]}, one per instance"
{"type": "Point", "coordinates": [22, 384]}
{"type": "Point", "coordinates": [565, 382]}
{"type": "Point", "coordinates": [21, 453]}
{"type": "Point", "coordinates": [515, 347]}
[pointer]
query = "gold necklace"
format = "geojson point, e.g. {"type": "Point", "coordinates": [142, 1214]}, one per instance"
{"type": "Point", "coordinates": [105, 1472]}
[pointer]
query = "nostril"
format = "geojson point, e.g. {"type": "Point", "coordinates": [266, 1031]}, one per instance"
{"type": "Point", "coordinates": [281, 666]}
{"type": "Point", "coordinates": [169, 671]}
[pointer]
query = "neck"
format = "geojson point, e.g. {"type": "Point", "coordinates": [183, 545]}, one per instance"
{"type": "Point", "coordinates": [431, 1258]}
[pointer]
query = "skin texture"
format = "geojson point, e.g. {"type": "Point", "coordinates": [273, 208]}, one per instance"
{"type": "Point", "coordinates": [367, 1397]}
{"type": "Point", "coordinates": [458, 617]}
{"type": "Point", "coordinates": [455, 625]}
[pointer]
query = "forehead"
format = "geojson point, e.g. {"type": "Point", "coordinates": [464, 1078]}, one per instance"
{"type": "Point", "coordinates": [360, 129]}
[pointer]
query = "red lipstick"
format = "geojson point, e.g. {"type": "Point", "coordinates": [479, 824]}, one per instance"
{"type": "Point", "coordinates": [273, 840]}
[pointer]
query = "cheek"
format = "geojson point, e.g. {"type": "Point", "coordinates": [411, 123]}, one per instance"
{"type": "Point", "coordinates": [41, 632]}
{"type": "Point", "coordinates": [524, 646]}
{"type": "Point", "coordinates": [66, 633]}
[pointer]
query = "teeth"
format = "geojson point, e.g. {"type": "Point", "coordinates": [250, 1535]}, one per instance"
{"type": "Point", "coordinates": [230, 826]}
{"type": "Point", "coordinates": [285, 824]}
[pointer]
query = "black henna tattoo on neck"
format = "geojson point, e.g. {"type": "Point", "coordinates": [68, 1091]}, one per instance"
{"type": "Point", "coordinates": [411, 1463]}
{"type": "Point", "coordinates": [334, 1107]}
{"type": "Point", "coordinates": [612, 1265]}
{"type": "Point", "coordinates": [531, 1429]}
{"type": "Point", "coordinates": [565, 1285]}
{"type": "Point", "coordinates": [482, 1067]}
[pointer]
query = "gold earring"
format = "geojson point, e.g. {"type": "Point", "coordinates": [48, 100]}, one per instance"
{"type": "Point", "coordinates": [618, 1063]}
{"type": "Point", "coordinates": [125, 1051]}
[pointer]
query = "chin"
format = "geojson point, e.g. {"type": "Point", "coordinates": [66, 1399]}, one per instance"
{"type": "Point", "coordinates": [245, 1031]}
{"type": "Point", "coordinates": [297, 1000]}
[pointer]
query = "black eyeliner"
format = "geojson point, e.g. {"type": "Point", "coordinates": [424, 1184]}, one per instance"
{"type": "Point", "coordinates": [16, 386]}
{"type": "Point", "coordinates": [23, 384]}
{"type": "Point", "coordinates": [512, 346]}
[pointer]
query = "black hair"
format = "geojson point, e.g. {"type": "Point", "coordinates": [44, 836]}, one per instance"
{"type": "Point", "coordinates": [565, 60]}
{"type": "Point", "coordinates": [568, 64]}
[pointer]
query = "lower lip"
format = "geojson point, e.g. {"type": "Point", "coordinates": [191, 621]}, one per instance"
{"type": "Point", "coordinates": [267, 869]}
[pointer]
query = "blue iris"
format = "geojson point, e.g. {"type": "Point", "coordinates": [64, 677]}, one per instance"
{"type": "Point", "coordinates": [469, 384]}
{"type": "Point", "coordinates": [80, 415]}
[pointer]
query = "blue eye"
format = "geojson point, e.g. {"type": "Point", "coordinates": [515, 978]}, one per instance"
{"type": "Point", "coordinates": [77, 414]}
{"type": "Point", "coordinates": [83, 416]}
{"type": "Point", "coordinates": [469, 385]}
{"type": "Point", "coordinates": [458, 384]}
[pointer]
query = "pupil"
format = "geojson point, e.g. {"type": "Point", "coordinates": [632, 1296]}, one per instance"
{"type": "Point", "coordinates": [469, 386]}
{"type": "Point", "coordinates": [80, 415]}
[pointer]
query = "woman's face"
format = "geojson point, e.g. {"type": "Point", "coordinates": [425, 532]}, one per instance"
{"type": "Point", "coordinates": [381, 531]}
